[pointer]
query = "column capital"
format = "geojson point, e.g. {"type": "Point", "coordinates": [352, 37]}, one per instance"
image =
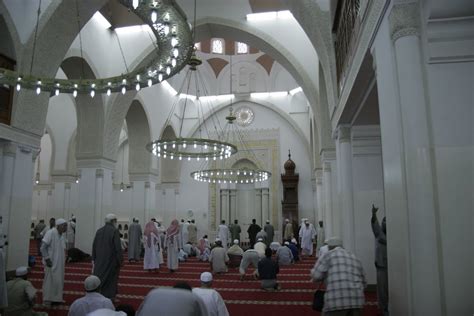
{"type": "Point", "coordinates": [9, 148]}
{"type": "Point", "coordinates": [327, 166]}
{"type": "Point", "coordinates": [147, 184]}
{"type": "Point", "coordinates": [328, 154]}
{"type": "Point", "coordinates": [344, 134]}
{"type": "Point", "coordinates": [67, 186]}
{"type": "Point", "coordinates": [405, 19]}
{"type": "Point", "coordinates": [98, 162]}
{"type": "Point", "coordinates": [99, 173]}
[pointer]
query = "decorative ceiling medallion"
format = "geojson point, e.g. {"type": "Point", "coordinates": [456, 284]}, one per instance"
{"type": "Point", "coordinates": [244, 116]}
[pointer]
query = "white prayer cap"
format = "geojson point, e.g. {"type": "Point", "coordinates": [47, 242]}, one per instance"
{"type": "Point", "coordinates": [60, 221]}
{"type": "Point", "coordinates": [334, 241]}
{"type": "Point", "coordinates": [206, 277]}
{"type": "Point", "coordinates": [218, 239]}
{"type": "Point", "coordinates": [91, 283]}
{"type": "Point", "coordinates": [268, 221]}
{"type": "Point", "coordinates": [21, 271]}
{"type": "Point", "coordinates": [287, 243]}
{"type": "Point", "coordinates": [260, 239]}
{"type": "Point", "coordinates": [287, 220]}
{"type": "Point", "coordinates": [236, 241]}
{"type": "Point", "coordinates": [110, 217]}
{"type": "Point", "coordinates": [106, 312]}
{"type": "Point", "coordinates": [293, 240]}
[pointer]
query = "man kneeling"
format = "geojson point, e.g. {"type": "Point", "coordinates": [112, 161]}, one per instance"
{"type": "Point", "coordinates": [268, 270]}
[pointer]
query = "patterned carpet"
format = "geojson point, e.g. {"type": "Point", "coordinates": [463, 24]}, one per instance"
{"type": "Point", "coordinates": [241, 297]}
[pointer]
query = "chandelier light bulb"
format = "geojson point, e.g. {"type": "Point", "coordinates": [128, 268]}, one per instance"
{"type": "Point", "coordinates": [174, 41]}
{"type": "Point", "coordinates": [137, 86]}
{"type": "Point", "coordinates": [109, 92]}
{"type": "Point", "coordinates": [175, 53]}
{"type": "Point", "coordinates": [189, 158]}
{"type": "Point", "coordinates": [168, 70]}
{"type": "Point", "coordinates": [124, 89]}
{"type": "Point", "coordinates": [167, 17]}
{"type": "Point", "coordinates": [195, 145]}
{"type": "Point", "coordinates": [74, 93]}
{"type": "Point", "coordinates": [56, 92]}
{"type": "Point", "coordinates": [160, 77]}
{"type": "Point", "coordinates": [150, 82]}
{"type": "Point", "coordinates": [18, 86]}
{"type": "Point", "coordinates": [180, 157]}
{"type": "Point", "coordinates": [173, 62]}
{"type": "Point", "coordinates": [135, 4]}
{"type": "Point", "coordinates": [92, 93]}
{"type": "Point", "coordinates": [197, 158]}
{"type": "Point", "coordinates": [154, 16]}
{"type": "Point", "coordinates": [166, 29]}
{"type": "Point", "coordinates": [184, 145]}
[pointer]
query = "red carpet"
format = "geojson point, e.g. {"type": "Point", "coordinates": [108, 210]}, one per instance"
{"type": "Point", "coordinates": [241, 297]}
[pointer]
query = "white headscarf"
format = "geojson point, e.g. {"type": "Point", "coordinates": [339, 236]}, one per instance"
{"type": "Point", "coordinates": [164, 301]}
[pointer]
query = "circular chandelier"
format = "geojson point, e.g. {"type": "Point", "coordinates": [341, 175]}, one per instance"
{"type": "Point", "coordinates": [172, 50]}
{"type": "Point", "coordinates": [192, 148]}
{"type": "Point", "coordinates": [232, 175]}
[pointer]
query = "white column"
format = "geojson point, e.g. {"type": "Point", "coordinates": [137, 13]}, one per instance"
{"type": "Point", "coordinates": [319, 194]}
{"type": "Point", "coordinates": [95, 200]}
{"type": "Point", "coordinates": [258, 206]}
{"type": "Point", "coordinates": [346, 186]}
{"type": "Point", "coordinates": [16, 191]}
{"type": "Point", "coordinates": [414, 250]}
{"type": "Point", "coordinates": [233, 205]}
{"type": "Point", "coordinates": [224, 214]}
{"type": "Point", "coordinates": [265, 205]}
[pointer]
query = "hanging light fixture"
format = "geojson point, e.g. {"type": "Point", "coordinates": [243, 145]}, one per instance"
{"type": "Point", "coordinates": [161, 16]}
{"type": "Point", "coordinates": [37, 176]}
{"type": "Point", "coordinates": [202, 147]}
{"type": "Point", "coordinates": [221, 172]}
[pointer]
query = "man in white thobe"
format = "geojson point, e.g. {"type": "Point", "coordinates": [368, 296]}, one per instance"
{"type": "Point", "coordinates": [92, 301]}
{"type": "Point", "coordinates": [184, 231]}
{"type": "Point", "coordinates": [212, 299]}
{"type": "Point", "coordinates": [307, 233]}
{"type": "Point", "coordinates": [71, 233]}
{"type": "Point", "coordinates": [223, 234]}
{"type": "Point", "coordinates": [52, 250]}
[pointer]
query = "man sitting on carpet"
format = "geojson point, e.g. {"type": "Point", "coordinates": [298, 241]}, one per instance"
{"type": "Point", "coordinates": [92, 301]}
{"type": "Point", "coordinates": [235, 254]}
{"type": "Point", "coordinates": [250, 257]}
{"type": "Point", "coordinates": [268, 270]}
{"type": "Point", "coordinates": [284, 255]}
{"type": "Point", "coordinates": [218, 258]}
{"type": "Point", "coordinates": [212, 299]}
{"type": "Point", "coordinates": [21, 295]}
{"type": "Point", "coordinates": [294, 249]}
{"type": "Point", "coordinates": [344, 278]}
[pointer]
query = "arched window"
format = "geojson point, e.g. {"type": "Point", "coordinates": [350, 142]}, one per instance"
{"type": "Point", "coordinates": [241, 48]}
{"type": "Point", "coordinates": [217, 46]}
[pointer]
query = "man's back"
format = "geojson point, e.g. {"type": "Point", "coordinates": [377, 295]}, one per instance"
{"type": "Point", "coordinates": [268, 269]}
{"type": "Point", "coordinates": [212, 299]}
{"type": "Point", "coordinates": [345, 279]}
{"type": "Point", "coordinates": [89, 303]}
{"type": "Point", "coordinates": [20, 297]}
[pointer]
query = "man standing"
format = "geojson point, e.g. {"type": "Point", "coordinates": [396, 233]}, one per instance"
{"type": "Point", "coordinates": [235, 230]}
{"type": "Point", "coordinates": [223, 234]}
{"type": "Point", "coordinates": [320, 237]}
{"type": "Point", "coordinates": [307, 233]}
{"type": "Point", "coordinates": [71, 233]}
{"type": "Point", "coordinates": [107, 256]}
{"type": "Point", "coordinates": [3, 284]}
{"type": "Point", "coordinates": [380, 234]}
{"type": "Point", "coordinates": [134, 241]}
{"type": "Point", "coordinates": [212, 299]}
{"type": "Point", "coordinates": [253, 231]}
{"type": "Point", "coordinates": [268, 270]}
{"type": "Point", "coordinates": [344, 278]}
{"type": "Point", "coordinates": [37, 231]}
{"type": "Point", "coordinates": [184, 231]}
{"type": "Point", "coordinates": [192, 233]}
{"type": "Point", "coordinates": [288, 231]}
{"type": "Point", "coordinates": [52, 249]}
{"type": "Point", "coordinates": [92, 301]}
{"type": "Point", "coordinates": [268, 228]}
{"type": "Point", "coordinates": [21, 295]}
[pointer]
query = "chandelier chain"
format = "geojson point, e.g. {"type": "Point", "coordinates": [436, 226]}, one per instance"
{"type": "Point", "coordinates": [35, 38]}
{"type": "Point", "coordinates": [80, 38]}
{"type": "Point", "coordinates": [121, 52]}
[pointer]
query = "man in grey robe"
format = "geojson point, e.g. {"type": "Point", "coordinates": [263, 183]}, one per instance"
{"type": "Point", "coordinates": [107, 256]}
{"type": "Point", "coordinates": [380, 234]}
{"type": "Point", "coordinates": [134, 241]}
{"type": "Point", "coordinates": [235, 231]}
{"type": "Point", "coordinates": [268, 228]}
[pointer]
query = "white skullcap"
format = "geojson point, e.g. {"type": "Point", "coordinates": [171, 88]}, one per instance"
{"type": "Point", "coordinates": [218, 239]}
{"type": "Point", "coordinates": [206, 277]}
{"type": "Point", "coordinates": [110, 217]}
{"type": "Point", "coordinates": [287, 220]}
{"type": "Point", "coordinates": [21, 271]}
{"type": "Point", "coordinates": [293, 240]}
{"type": "Point", "coordinates": [60, 221]}
{"type": "Point", "coordinates": [334, 241]}
{"type": "Point", "coordinates": [106, 312]}
{"type": "Point", "coordinates": [236, 241]}
{"type": "Point", "coordinates": [260, 239]}
{"type": "Point", "coordinates": [91, 283]}
{"type": "Point", "coordinates": [268, 221]}
{"type": "Point", "coordinates": [287, 243]}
